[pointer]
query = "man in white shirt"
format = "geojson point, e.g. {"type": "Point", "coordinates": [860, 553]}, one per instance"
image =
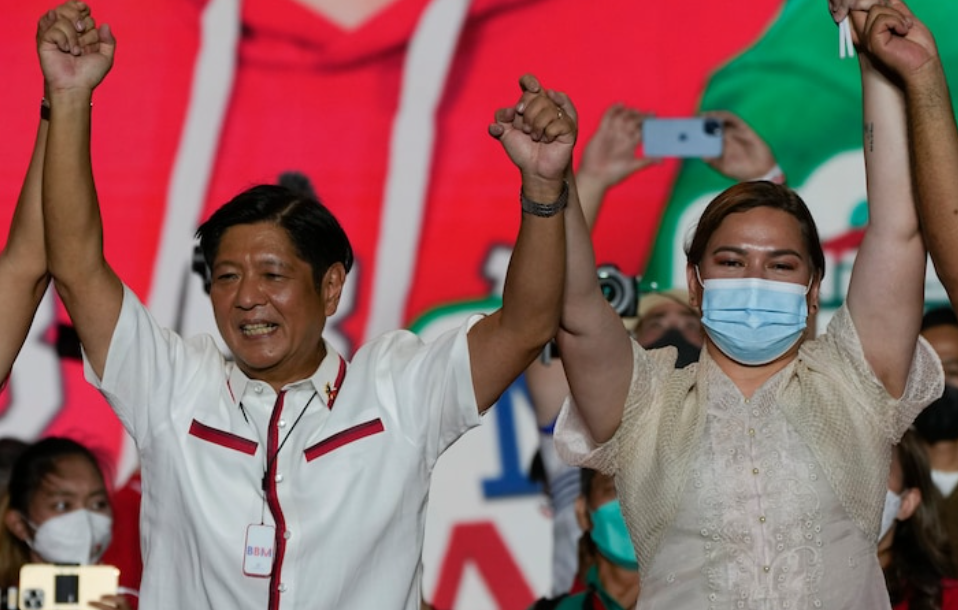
{"type": "Point", "coordinates": [289, 478]}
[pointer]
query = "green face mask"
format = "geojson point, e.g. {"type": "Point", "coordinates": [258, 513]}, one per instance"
{"type": "Point", "coordinates": [611, 536]}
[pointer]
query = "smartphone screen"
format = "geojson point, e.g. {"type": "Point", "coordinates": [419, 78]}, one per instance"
{"type": "Point", "coordinates": [696, 137]}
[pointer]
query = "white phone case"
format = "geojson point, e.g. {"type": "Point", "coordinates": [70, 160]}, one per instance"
{"type": "Point", "coordinates": [45, 586]}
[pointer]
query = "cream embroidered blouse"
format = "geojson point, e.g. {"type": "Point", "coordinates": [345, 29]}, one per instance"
{"type": "Point", "coordinates": [770, 502]}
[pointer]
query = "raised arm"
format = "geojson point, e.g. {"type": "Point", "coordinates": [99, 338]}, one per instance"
{"type": "Point", "coordinates": [23, 261]}
{"type": "Point", "coordinates": [610, 157]}
{"type": "Point", "coordinates": [934, 142]}
{"type": "Point", "coordinates": [538, 136]}
{"type": "Point", "coordinates": [75, 58]}
{"type": "Point", "coordinates": [595, 347]}
{"type": "Point", "coordinates": [886, 290]}
{"type": "Point", "coordinates": [745, 155]}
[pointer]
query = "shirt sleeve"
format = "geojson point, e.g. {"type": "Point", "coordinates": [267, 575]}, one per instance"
{"type": "Point", "coordinates": [575, 444]}
{"type": "Point", "coordinates": [429, 384]}
{"type": "Point", "coordinates": [148, 369]}
{"type": "Point", "coordinates": [841, 345]}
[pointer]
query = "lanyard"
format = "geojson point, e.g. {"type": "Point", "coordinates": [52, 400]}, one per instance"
{"type": "Point", "coordinates": [331, 393]}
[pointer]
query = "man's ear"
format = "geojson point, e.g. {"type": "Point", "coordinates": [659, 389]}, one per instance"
{"type": "Point", "coordinates": [910, 501]}
{"type": "Point", "coordinates": [332, 289]}
{"type": "Point", "coordinates": [17, 524]}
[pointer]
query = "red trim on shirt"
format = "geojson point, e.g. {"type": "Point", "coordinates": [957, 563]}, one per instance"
{"type": "Point", "coordinates": [333, 392]}
{"type": "Point", "coordinates": [272, 500]}
{"type": "Point", "coordinates": [223, 438]}
{"type": "Point", "coordinates": [373, 426]}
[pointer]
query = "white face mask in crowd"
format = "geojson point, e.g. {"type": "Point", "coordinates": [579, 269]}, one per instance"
{"type": "Point", "coordinates": [890, 512]}
{"type": "Point", "coordinates": [79, 536]}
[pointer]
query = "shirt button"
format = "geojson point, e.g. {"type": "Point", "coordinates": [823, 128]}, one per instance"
{"type": "Point", "coordinates": [751, 431]}
{"type": "Point", "coordinates": [282, 587]}
{"type": "Point", "coordinates": [281, 423]}
{"type": "Point", "coordinates": [279, 478]}
{"type": "Point", "coordinates": [748, 400]}
{"type": "Point", "coordinates": [287, 534]}
{"type": "Point", "coordinates": [766, 568]}
{"type": "Point", "coordinates": [754, 471]}
{"type": "Point", "coordinates": [761, 519]}
{"type": "Point", "coordinates": [258, 389]}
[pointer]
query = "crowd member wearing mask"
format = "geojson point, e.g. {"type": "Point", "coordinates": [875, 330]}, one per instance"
{"type": "Point", "coordinates": [937, 426]}
{"type": "Point", "coordinates": [56, 510]}
{"type": "Point", "coordinates": [611, 578]}
{"type": "Point", "coordinates": [756, 477]}
{"type": "Point", "coordinates": [664, 318]}
{"type": "Point", "coordinates": [911, 546]}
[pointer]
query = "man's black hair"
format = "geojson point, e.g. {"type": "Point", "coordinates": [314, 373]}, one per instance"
{"type": "Point", "coordinates": [315, 233]}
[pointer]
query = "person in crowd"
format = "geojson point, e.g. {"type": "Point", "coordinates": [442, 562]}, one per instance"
{"type": "Point", "coordinates": [611, 580]}
{"type": "Point", "coordinates": [287, 477]}
{"type": "Point", "coordinates": [10, 450]}
{"type": "Point", "coordinates": [757, 476]}
{"type": "Point", "coordinates": [937, 425]}
{"type": "Point", "coordinates": [911, 544]}
{"type": "Point", "coordinates": [56, 510]}
{"type": "Point", "coordinates": [665, 318]}
{"type": "Point", "coordinates": [939, 327]}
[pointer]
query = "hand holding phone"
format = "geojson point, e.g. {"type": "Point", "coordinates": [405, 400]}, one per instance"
{"type": "Point", "coordinates": [694, 137]}
{"type": "Point", "coordinates": [45, 586]}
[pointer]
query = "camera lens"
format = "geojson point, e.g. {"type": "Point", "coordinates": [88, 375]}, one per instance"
{"type": "Point", "coordinates": [713, 126]}
{"type": "Point", "coordinates": [619, 290]}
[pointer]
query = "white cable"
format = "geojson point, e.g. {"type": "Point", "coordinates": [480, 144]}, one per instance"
{"type": "Point", "coordinates": [846, 47]}
{"type": "Point", "coordinates": [425, 71]}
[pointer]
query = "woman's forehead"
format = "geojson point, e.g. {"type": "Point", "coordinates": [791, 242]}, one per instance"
{"type": "Point", "coordinates": [763, 228]}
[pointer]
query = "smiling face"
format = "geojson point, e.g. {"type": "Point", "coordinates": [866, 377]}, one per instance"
{"type": "Point", "coordinates": [267, 306]}
{"type": "Point", "coordinates": [762, 242]}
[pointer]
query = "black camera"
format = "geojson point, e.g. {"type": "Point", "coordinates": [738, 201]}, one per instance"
{"type": "Point", "coordinates": [620, 290]}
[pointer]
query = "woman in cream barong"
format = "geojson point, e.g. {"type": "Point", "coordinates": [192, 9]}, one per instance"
{"type": "Point", "coordinates": [756, 478]}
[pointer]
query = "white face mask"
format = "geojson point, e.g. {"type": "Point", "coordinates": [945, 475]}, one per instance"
{"type": "Point", "coordinates": [79, 536]}
{"type": "Point", "coordinates": [890, 513]}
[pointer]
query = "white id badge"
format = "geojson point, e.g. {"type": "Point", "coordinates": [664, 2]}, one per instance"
{"type": "Point", "coordinates": [258, 551]}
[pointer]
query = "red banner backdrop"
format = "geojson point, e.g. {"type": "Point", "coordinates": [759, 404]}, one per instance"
{"type": "Point", "coordinates": [384, 107]}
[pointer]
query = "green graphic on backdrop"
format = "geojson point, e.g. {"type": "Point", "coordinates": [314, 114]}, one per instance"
{"type": "Point", "coordinates": [794, 90]}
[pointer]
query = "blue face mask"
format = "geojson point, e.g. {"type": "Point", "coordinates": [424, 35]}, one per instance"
{"type": "Point", "coordinates": [753, 321]}
{"type": "Point", "coordinates": [611, 536]}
